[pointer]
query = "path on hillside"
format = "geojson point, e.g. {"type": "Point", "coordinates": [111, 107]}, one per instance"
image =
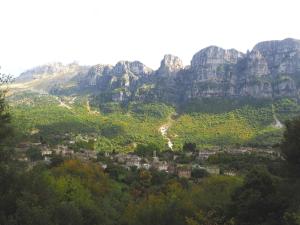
{"type": "Point", "coordinates": [62, 104]}
{"type": "Point", "coordinates": [277, 123]}
{"type": "Point", "coordinates": [88, 107]}
{"type": "Point", "coordinates": [164, 131]}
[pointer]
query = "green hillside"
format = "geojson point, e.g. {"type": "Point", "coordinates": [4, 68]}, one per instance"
{"type": "Point", "coordinates": [43, 115]}
{"type": "Point", "coordinates": [118, 127]}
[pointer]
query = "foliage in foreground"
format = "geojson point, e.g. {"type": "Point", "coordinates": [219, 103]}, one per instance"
{"type": "Point", "coordinates": [78, 193]}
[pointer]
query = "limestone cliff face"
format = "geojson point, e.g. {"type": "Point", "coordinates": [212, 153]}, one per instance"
{"type": "Point", "coordinates": [211, 73]}
{"type": "Point", "coordinates": [252, 76]}
{"type": "Point", "coordinates": [283, 60]}
{"type": "Point", "coordinates": [210, 63]}
{"type": "Point", "coordinates": [270, 70]}
{"type": "Point", "coordinates": [117, 82]}
{"type": "Point", "coordinates": [255, 65]}
{"type": "Point", "coordinates": [170, 65]}
{"type": "Point", "coordinates": [283, 57]}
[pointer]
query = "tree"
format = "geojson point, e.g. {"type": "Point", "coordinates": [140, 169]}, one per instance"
{"type": "Point", "coordinates": [146, 150]}
{"type": "Point", "coordinates": [34, 154]}
{"type": "Point", "coordinates": [290, 145]}
{"type": "Point", "coordinates": [8, 171]}
{"type": "Point", "coordinates": [56, 160]}
{"type": "Point", "coordinates": [199, 173]}
{"type": "Point", "coordinates": [189, 147]}
{"type": "Point", "coordinates": [5, 118]}
{"type": "Point", "coordinates": [258, 200]}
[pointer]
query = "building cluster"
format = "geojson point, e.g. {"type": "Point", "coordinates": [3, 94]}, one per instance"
{"type": "Point", "coordinates": [48, 152]}
{"type": "Point", "coordinates": [131, 160]}
{"type": "Point", "coordinates": [182, 170]}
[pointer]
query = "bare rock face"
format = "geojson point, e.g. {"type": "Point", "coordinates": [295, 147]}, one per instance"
{"type": "Point", "coordinates": [210, 63]}
{"type": "Point", "coordinates": [117, 82]}
{"type": "Point", "coordinates": [271, 69]}
{"type": "Point", "coordinates": [252, 76]}
{"type": "Point", "coordinates": [170, 65]}
{"type": "Point", "coordinates": [285, 86]}
{"type": "Point", "coordinates": [255, 65]}
{"type": "Point", "coordinates": [135, 68]}
{"type": "Point", "coordinates": [256, 89]}
{"type": "Point", "coordinates": [283, 57]}
{"type": "Point", "coordinates": [211, 73]}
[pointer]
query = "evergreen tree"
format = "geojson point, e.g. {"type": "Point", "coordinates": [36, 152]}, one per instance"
{"type": "Point", "coordinates": [290, 146]}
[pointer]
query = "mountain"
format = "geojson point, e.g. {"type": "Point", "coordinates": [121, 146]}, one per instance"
{"type": "Point", "coordinates": [50, 77]}
{"type": "Point", "coordinates": [223, 98]}
{"type": "Point", "coordinates": [270, 70]}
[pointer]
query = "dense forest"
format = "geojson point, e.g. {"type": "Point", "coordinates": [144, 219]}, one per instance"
{"type": "Point", "coordinates": [75, 192]}
{"type": "Point", "coordinates": [121, 127]}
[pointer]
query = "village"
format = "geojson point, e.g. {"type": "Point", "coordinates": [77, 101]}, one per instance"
{"type": "Point", "coordinates": [170, 162]}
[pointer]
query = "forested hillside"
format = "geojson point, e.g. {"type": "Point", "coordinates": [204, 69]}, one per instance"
{"type": "Point", "coordinates": [121, 127]}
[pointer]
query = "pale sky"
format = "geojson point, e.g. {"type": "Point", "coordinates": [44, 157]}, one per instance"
{"type": "Point", "coordinates": [34, 32]}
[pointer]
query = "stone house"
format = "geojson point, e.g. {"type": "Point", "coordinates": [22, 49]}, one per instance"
{"type": "Point", "coordinates": [22, 147]}
{"type": "Point", "coordinates": [215, 170]}
{"type": "Point", "coordinates": [91, 154]}
{"type": "Point", "coordinates": [163, 166]}
{"type": "Point", "coordinates": [172, 168]}
{"type": "Point", "coordinates": [64, 151]}
{"type": "Point", "coordinates": [120, 158]}
{"type": "Point", "coordinates": [103, 165]}
{"type": "Point", "coordinates": [47, 159]}
{"type": "Point", "coordinates": [81, 156]}
{"type": "Point", "coordinates": [133, 160]}
{"type": "Point", "coordinates": [204, 155]}
{"type": "Point", "coordinates": [22, 157]}
{"type": "Point", "coordinates": [145, 166]}
{"type": "Point", "coordinates": [184, 172]}
{"type": "Point", "coordinates": [230, 173]}
{"type": "Point", "coordinates": [159, 165]}
{"type": "Point", "coordinates": [46, 151]}
{"type": "Point", "coordinates": [67, 152]}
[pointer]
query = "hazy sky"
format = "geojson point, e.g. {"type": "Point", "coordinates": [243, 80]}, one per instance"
{"type": "Point", "coordinates": [34, 32]}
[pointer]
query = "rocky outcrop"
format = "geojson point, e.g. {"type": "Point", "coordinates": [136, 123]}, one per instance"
{"type": "Point", "coordinates": [255, 65]}
{"type": "Point", "coordinates": [119, 82]}
{"type": "Point", "coordinates": [283, 57]}
{"type": "Point", "coordinates": [211, 63]}
{"type": "Point", "coordinates": [170, 65]}
{"type": "Point", "coordinates": [270, 70]}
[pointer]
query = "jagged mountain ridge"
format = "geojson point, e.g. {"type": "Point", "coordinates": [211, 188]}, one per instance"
{"type": "Point", "coordinates": [270, 70]}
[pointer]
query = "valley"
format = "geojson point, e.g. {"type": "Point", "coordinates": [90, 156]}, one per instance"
{"type": "Point", "coordinates": [136, 112]}
{"type": "Point", "coordinates": [250, 124]}
{"type": "Point", "coordinates": [224, 98]}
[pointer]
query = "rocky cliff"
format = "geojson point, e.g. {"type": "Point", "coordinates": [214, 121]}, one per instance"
{"type": "Point", "coordinates": [270, 70]}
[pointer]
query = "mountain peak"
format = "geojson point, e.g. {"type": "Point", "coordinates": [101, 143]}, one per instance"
{"type": "Point", "coordinates": [269, 70]}
{"type": "Point", "coordinates": [288, 44]}
{"type": "Point", "coordinates": [170, 64]}
{"type": "Point", "coordinates": [215, 55]}
{"type": "Point", "coordinates": [46, 70]}
{"type": "Point", "coordinates": [135, 67]}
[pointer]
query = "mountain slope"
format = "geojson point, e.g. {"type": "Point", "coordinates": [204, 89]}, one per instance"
{"type": "Point", "coordinates": [224, 98]}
